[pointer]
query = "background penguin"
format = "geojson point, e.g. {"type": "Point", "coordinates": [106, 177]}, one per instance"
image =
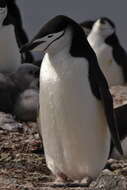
{"type": "Point", "coordinates": [72, 89]}
{"type": "Point", "coordinates": [111, 56]}
{"type": "Point", "coordinates": [26, 79]}
{"type": "Point", "coordinates": [10, 57]}
{"type": "Point", "coordinates": [14, 18]}
{"type": "Point", "coordinates": [16, 87]}
{"type": "Point", "coordinates": [87, 26]}
{"type": "Point", "coordinates": [27, 104]}
{"type": "Point", "coordinates": [25, 75]}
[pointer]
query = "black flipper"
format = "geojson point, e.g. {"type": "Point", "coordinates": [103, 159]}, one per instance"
{"type": "Point", "coordinates": [119, 54]}
{"type": "Point", "coordinates": [100, 89]}
{"type": "Point", "coordinates": [111, 118]}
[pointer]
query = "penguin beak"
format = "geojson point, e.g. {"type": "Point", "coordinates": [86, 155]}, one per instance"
{"type": "Point", "coordinates": [30, 46]}
{"type": "Point", "coordinates": [42, 43]}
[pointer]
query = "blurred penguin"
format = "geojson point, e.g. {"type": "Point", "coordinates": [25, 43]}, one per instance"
{"type": "Point", "coordinates": [27, 104]}
{"type": "Point", "coordinates": [10, 57]}
{"type": "Point", "coordinates": [87, 26]}
{"type": "Point", "coordinates": [25, 75]}
{"type": "Point", "coordinates": [112, 58]}
{"type": "Point", "coordinates": [17, 87]}
{"type": "Point", "coordinates": [14, 17]}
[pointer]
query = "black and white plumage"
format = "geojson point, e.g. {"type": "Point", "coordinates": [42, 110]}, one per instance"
{"type": "Point", "coordinates": [87, 26]}
{"type": "Point", "coordinates": [111, 56]}
{"type": "Point", "coordinates": [14, 18]}
{"type": "Point", "coordinates": [10, 57]}
{"type": "Point", "coordinates": [72, 90]}
{"type": "Point", "coordinates": [121, 115]}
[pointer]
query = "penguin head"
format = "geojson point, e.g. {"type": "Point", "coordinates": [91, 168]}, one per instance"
{"type": "Point", "coordinates": [87, 26]}
{"type": "Point", "coordinates": [104, 27]}
{"type": "Point", "coordinates": [50, 33]}
{"type": "Point", "coordinates": [3, 11]}
{"type": "Point", "coordinates": [56, 34]}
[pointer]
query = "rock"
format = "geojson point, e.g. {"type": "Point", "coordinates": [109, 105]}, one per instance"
{"type": "Point", "coordinates": [109, 181]}
{"type": "Point", "coordinates": [7, 122]}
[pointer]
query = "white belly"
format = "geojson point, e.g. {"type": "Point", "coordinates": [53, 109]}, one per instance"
{"type": "Point", "coordinates": [73, 126]}
{"type": "Point", "coordinates": [10, 57]}
{"type": "Point", "coordinates": [110, 68]}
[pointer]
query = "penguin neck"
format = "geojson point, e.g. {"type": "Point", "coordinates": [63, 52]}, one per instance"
{"type": "Point", "coordinates": [73, 43]}
{"type": "Point", "coordinates": [3, 17]}
{"type": "Point", "coordinates": [61, 46]}
{"type": "Point", "coordinates": [95, 38]}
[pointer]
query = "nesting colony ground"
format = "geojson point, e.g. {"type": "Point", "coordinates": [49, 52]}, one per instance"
{"type": "Point", "coordinates": [22, 163]}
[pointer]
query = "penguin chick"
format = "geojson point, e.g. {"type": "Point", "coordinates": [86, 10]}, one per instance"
{"type": "Point", "coordinates": [8, 93]}
{"type": "Point", "coordinates": [25, 75]}
{"type": "Point", "coordinates": [27, 105]}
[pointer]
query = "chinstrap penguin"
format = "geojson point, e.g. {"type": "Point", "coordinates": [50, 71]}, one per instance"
{"type": "Point", "coordinates": [14, 18]}
{"type": "Point", "coordinates": [112, 58]}
{"type": "Point", "coordinates": [8, 93]}
{"type": "Point", "coordinates": [87, 26]}
{"type": "Point", "coordinates": [72, 90]}
{"type": "Point", "coordinates": [10, 57]}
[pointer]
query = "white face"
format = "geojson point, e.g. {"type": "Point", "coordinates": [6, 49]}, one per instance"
{"type": "Point", "coordinates": [103, 29]}
{"type": "Point", "coordinates": [3, 14]}
{"type": "Point", "coordinates": [47, 41]}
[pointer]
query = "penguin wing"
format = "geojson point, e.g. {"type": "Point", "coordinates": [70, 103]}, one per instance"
{"type": "Point", "coordinates": [100, 89]}
{"type": "Point", "coordinates": [111, 118]}
{"type": "Point", "coordinates": [120, 56]}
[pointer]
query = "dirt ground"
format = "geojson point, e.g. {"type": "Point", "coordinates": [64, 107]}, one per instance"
{"type": "Point", "coordinates": [22, 162]}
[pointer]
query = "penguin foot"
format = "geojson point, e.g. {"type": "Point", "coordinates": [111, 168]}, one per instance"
{"type": "Point", "coordinates": [60, 178]}
{"type": "Point", "coordinates": [60, 181]}
{"type": "Point", "coordinates": [86, 181]}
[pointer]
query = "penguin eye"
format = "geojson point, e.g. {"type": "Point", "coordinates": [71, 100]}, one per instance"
{"type": "Point", "coordinates": [49, 36]}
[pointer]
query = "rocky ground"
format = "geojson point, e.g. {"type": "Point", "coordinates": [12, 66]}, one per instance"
{"type": "Point", "coordinates": [22, 163]}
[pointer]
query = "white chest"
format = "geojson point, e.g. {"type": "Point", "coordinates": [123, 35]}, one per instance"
{"type": "Point", "coordinates": [110, 68]}
{"type": "Point", "coordinates": [10, 57]}
{"type": "Point", "coordinates": [73, 126]}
